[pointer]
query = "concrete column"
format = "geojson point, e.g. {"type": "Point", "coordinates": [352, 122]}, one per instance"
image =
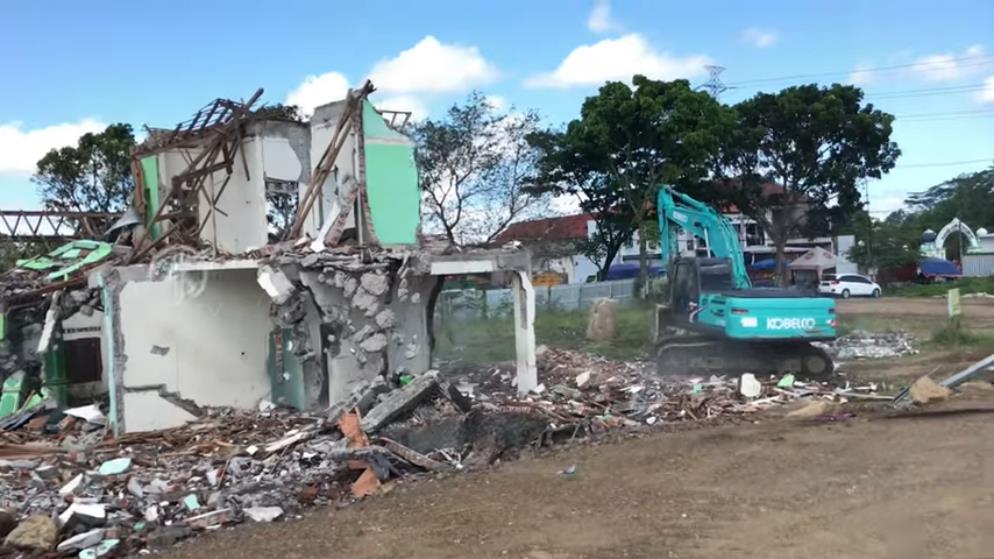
{"type": "Point", "coordinates": [524, 330]}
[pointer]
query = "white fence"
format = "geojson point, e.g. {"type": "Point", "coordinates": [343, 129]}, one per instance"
{"type": "Point", "coordinates": [978, 265]}
{"type": "Point", "coordinates": [474, 303]}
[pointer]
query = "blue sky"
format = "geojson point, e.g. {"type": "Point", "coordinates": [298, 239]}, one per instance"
{"type": "Point", "coordinates": [70, 67]}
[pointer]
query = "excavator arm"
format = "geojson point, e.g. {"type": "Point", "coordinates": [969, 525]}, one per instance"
{"type": "Point", "coordinates": [701, 221]}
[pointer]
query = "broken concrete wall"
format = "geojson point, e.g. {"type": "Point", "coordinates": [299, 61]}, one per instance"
{"type": "Point", "coordinates": [373, 318]}
{"type": "Point", "coordinates": [208, 347]}
{"type": "Point", "coordinates": [272, 150]}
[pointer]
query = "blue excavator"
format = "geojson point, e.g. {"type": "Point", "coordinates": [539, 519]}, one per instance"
{"type": "Point", "coordinates": [714, 320]}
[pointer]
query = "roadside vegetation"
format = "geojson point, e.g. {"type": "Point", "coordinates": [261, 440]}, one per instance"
{"type": "Point", "coordinates": [966, 286]}
{"type": "Point", "coordinates": [492, 339]}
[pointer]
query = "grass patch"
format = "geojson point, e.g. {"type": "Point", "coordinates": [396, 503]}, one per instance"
{"type": "Point", "coordinates": [491, 340]}
{"type": "Point", "coordinates": [955, 334]}
{"type": "Point", "coordinates": [965, 285]}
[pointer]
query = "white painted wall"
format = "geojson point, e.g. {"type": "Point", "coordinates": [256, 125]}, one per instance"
{"type": "Point", "coordinates": [147, 411]}
{"type": "Point", "coordinates": [337, 187]}
{"type": "Point", "coordinates": [279, 161]}
{"type": "Point", "coordinates": [218, 341]}
{"type": "Point", "coordinates": [242, 225]}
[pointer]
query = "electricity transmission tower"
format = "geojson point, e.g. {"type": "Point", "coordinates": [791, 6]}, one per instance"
{"type": "Point", "coordinates": [714, 85]}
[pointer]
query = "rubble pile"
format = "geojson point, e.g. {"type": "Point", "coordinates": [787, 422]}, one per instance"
{"type": "Point", "coordinates": [62, 474]}
{"type": "Point", "coordinates": [860, 344]}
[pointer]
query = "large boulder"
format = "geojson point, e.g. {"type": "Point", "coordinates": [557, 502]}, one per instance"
{"type": "Point", "coordinates": [925, 390]}
{"type": "Point", "coordinates": [603, 320]}
{"type": "Point", "coordinates": [37, 533]}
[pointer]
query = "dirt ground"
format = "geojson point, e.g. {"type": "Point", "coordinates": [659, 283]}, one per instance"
{"type": "Point", "coordinates": [910, 487]}
{"type": "Point", "coordinates": [871, 486]}
{"type": "Point", "coordinates": [921, 317]}
{"type": "Point", "coordinates": [976, 310]}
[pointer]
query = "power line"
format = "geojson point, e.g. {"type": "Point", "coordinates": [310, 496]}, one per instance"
{"type": "Point", "coordinates": [950, 113]}
{"type": "Point", "coordinates": [952, 90]}
{"type": "Point", "coordinates": [973, 61]}
{"type": "Point", "coordinates": [948, 163]}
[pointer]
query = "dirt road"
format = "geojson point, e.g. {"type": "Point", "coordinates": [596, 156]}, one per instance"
{"type": "Point", "coordinates": [976, 310]}
{"type": "Point", "coordinates": [880, 488]}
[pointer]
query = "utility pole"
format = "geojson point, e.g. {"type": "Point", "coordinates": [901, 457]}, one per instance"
{"type": "Point", "coordinates": [869, 225]}
{"type": "Point", "coordinates": [714, 85]}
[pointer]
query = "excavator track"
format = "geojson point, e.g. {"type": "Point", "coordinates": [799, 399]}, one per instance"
{"type": "Point", "coordinates": [681, 355]}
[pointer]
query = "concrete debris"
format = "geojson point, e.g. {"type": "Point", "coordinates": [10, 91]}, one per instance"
{"type": "Point", "coordinates": [749, 386]}
{"type": "Point", "coordinates": [37, 533]}
{"type": "Point", "coordinates": [210, 520]}
{"type": "Point", "coordinates": [90, 414]}
{"type": "Point", "coordinates": [377, 284]}
{"type": "Point", "coordinates": [149, 490]}
{"type": "Point", "coordinates": [400, 401]}
{"type": "Point", "coordinates": [86, 514]}
{"type": "Point", "coordinates": [925, 390]}
{"type": "Point", "coordinates": [82, 540]}
{"type": "Point", "coordinates": [102, 549]}
{"type": "Point", "coordinates": [115, 466]}
{"type": "Point", "coordinates": [71, 487]}
{"type": "Point", "coordinates": [374, 343]}
{"type": "Point", "coordinates": [275, 283]}
{"type": "Point", "coordinates": [603, 320]}
{"type": "Point", "coordinates": [262, 514]}
{"type": "Point", "coordinates": [860, 344]}
{"type": "Point", "coordinates": [582, 379]}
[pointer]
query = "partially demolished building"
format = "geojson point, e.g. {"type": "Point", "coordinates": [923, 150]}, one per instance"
{"type": "Point", "coordinates": [264, 258]}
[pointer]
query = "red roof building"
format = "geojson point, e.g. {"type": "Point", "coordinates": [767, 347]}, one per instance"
{"type": "Point", "coordinates": [563, 228]}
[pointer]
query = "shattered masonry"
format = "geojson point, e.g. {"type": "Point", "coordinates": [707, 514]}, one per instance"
{"type": "Point", "coordinates": [264, 258]}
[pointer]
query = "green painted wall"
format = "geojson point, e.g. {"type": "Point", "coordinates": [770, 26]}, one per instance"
{"type": "Point", "coordinates": [150, 176]}
{"type": "Point", "coordinates": [391, 180]}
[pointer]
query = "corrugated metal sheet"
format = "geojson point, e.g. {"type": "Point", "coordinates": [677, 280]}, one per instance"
{"type": "Point", "coordinates": [978, 265]}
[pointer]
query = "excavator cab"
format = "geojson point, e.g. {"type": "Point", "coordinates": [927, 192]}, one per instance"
{"type": "Point", "coordinates": [689, 277]}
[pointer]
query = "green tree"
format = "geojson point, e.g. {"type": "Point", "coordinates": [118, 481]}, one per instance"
{"type": "Point", "coordinates": [798, 156]}
{"type": "Point", "coordinates": [889, 243]}
{"type": "Point", "coordinates": [93, 176]}
{"type": "Point", "coordinates": [628, 141]}
{"type": "Point", "coordinates": [969, 196]}
{"type": "Point", "coordinates": [475, 166]}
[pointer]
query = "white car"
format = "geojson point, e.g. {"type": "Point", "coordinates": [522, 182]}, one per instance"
{"type": "Point", "coordinates": [849, 285]}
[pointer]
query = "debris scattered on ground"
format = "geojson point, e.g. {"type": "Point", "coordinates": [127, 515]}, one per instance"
{"type": "Point", "coordinates": [860, 344]}
{"type": "Point", "coordinates": [149, 490]}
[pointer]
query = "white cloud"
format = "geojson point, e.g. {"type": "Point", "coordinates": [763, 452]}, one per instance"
{"type": "Point", "coordinates": [861, 75]}
{"type": "Point", "coordinates": [618, 59]}
{"type": "Point", "coordinates": [986, 95]}
{"type": "Point", "coordinates": [318, 90]}
{"type": "Point", "coordinates": [599, 20]}
{"type": "Point", "coordinates": [416, 107]}
{"type": "Point", "coordinates": [759, 38]}
{"type": "Point", "coordinates": [498, 102]}
{"type": "Point", "coordinates": [21, 149]}
{"type": "Point", "coordinates": [431, 66]}
{"type": "Point", "coordinates": [949, 66]}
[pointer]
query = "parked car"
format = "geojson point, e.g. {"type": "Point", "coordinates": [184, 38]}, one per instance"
{"type": "Point", "coordinates": [849, 285]}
